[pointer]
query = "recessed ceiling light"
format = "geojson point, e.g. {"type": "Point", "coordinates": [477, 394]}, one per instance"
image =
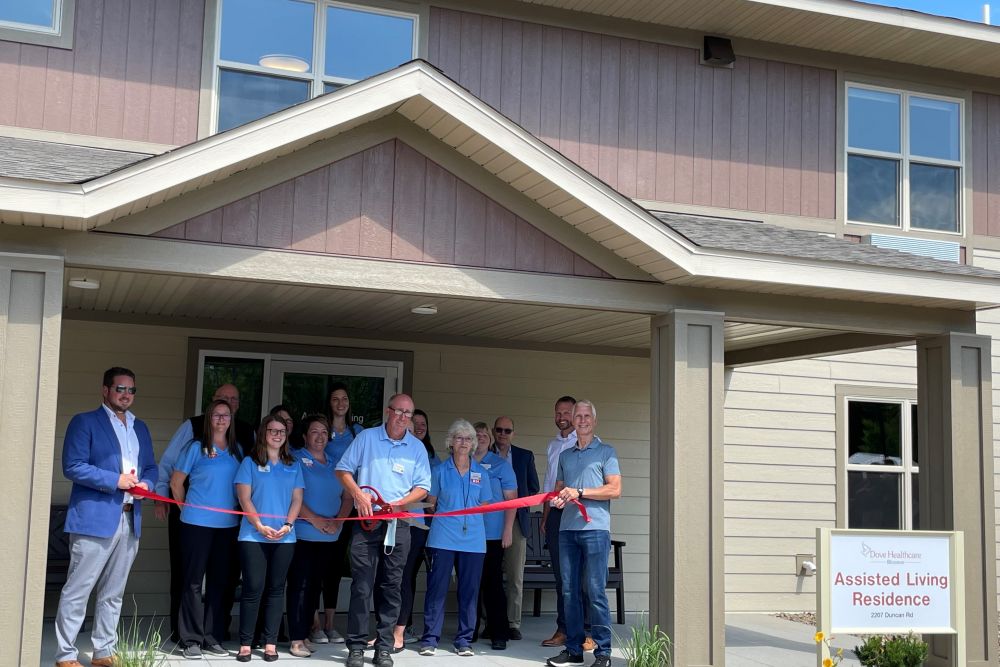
{"type": "Point", "coordinates": [84, 283]}
{"type": "Point", "coordinates": [284, 61]}
{"type": "Point", "coordinates": [426, 309]}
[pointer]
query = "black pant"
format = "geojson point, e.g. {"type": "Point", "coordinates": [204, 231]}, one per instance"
{"type": "Point", "coordinates": [416, 556]}
{"type": "Point", "coordinates": [265, 567]}
{"type": "Point", "coordinates": [305, 576]}
{"type": "Point", "coordinates": [338, 567]}
{"type": "Point", "coordinates": [368, 560]}
{"type": "Point", "coordinates": [209, 554]}
{"type": "Point", "coordinates": [492, 596]}
{"type": "Point", "coordinates": [176, 566]}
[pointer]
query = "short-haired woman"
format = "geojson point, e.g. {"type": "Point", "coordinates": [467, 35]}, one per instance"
{"type": "Point", "coordinates": [457, 542]}
{"type": "Point", "coordinates": [269, 487]}
{"type": "Point", "coordinates": [203, 477]}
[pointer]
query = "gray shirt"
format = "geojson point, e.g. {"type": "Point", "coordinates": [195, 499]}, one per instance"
{"type": "Point", "coordinates": [588, 468]}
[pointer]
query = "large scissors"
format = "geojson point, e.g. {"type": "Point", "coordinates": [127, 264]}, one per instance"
{"type": "Point", "coordinates": [377, 502]}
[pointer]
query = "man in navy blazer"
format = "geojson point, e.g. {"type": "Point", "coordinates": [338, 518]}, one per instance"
{"type": "Point", "coordinates": [523, 462]}
{"type": "Point", "coordinates": [106, 452]}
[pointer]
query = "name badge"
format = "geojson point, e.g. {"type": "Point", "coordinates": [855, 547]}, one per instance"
{"type": "Point", "coordinates": [307, 462]}
{"type": "Point", "coordinates": [264, 468]}
{"type": "Point", "coordinates": [398, 468]}
{"type": "Point", "coordinates": [486, 465]}
{"type": "Point", "coordinates": [475, 477]}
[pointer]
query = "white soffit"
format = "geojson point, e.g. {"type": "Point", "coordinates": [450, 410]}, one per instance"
{"type": "Point", "coordinates": [432, 101]}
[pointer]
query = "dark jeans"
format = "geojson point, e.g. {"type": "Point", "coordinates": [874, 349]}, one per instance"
{"type": "Point", "coordinates": [305, 576]}
{"type": "Point", "coordinates": [414, 559]}
{"type": "Point", "coordinates": [176, 553]}
{"type": "Point", "coordinates": [552, 522]}
{"type": "Point", "coordinates": [492, 596]}
{"type": "Point", "coordinates": [209, 554]}
{"type": "Point", "coordinates": [583, 561]}
{"type": "Point", "coordinates": [338, 567]}
{"type": "Point", "coordinates": [265, 567]}
{"type": "Point", "coordinates": [368, 561]}
{"type": "Point", "coordinates": [469, 568]}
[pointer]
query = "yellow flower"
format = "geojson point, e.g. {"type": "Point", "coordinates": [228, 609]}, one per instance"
{"type": "Point", "coordinates": [818, 637]}
{"type": "Point", "coordinates": [827, 662]}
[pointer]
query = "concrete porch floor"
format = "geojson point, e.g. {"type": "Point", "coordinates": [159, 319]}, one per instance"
{"type": "Point", "coordinates": [751, 640]}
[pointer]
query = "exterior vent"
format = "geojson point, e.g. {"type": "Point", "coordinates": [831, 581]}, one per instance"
{"type": "Point", "coordinates": [948, 251]}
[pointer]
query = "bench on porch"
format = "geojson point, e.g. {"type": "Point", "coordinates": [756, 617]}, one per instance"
{"type": "Point", "coordinates": [57, 563]}
{"type": "Point", "coordinates": [538, 575]}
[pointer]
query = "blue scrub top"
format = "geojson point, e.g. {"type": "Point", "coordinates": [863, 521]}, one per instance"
{"type": "Point", "coordinates": [502, 478]}
{"type": "Point", "coordinates": [210, 483]}
{"type": "Point", "coordinates": [587, 468]}
{"type": "Point", "coordinates": [394, 467]}
{"type": "Point", "coordinates": [271, 489]}
{"type": "Point", "coordinates": [322, 495]}
{"type": "Point", "coordinates": [339, 443]}
{"type": "Point", "coordinates": [454, 492]}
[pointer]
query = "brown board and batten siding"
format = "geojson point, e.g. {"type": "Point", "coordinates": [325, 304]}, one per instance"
{"type": "Point", "coordinates": [387, 202]}
{"type": "Point", "coordinates": [648, 119]}
{"type": "Point", "coordinates": [134, 72]}
{"type": "Point", "coordinates": [984, 156]}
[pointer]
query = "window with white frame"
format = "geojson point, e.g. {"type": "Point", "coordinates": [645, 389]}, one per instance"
{"type": "Point", "coordinates": [44, 22]}
{"type": "Point", "coordinates": [882, 464]}
{"type": "Point", "coordinates": [273, 54]}
{"type": "Point", "coordinates": [904, 159]}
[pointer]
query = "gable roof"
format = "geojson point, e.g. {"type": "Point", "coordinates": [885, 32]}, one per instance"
{"type": "Point", "coordinates": [431, 101]}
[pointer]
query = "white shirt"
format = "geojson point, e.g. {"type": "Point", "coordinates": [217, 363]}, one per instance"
{"type": "Point", "coordinates": [557, 446]}
{"type": "Point", "coordinates": [128, 442]}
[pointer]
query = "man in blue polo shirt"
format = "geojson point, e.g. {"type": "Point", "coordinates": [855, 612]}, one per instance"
{"type": "Point", "coordinates": [390, 459]}
{"type": "Point", "coordinates": [589, 473]}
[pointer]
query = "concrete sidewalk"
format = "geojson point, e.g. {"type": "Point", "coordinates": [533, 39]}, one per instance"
{"type": "Point", "coordinates": [751, 640]}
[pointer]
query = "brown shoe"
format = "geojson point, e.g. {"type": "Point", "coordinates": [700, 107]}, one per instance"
{"type": "Point", "coordinates": [106, 661]}
{"type": "Point", "coordinates": [589, 644]}
{"type": "Point", "coordinates": [69, 663]}
{"type": "Point", "coordinates": [558, 639]}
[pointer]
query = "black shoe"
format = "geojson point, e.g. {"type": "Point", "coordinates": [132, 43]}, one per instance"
{"type": "Point", "coordinates": [498, 645]}
{"type": "Point", "coordinates": [215, 649]}
{"type": "Point", "coordinates": [382, 658]}
{"type": "Point", "coordinates": [270, 657]}
{"type": "Point", "coordinates": [565, 659]}
{"type": "Point", "coordinates": [192, 652]}
{"type": "Point", "coordinates": [601, 661]}
{"type": "Point", "coordinates": [355, 658]}
{"type": "Point", "coordinates": [243, 657]}
{"type": "Point", "coordinates": [514, 633]}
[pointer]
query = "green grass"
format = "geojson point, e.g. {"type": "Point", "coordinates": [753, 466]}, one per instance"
{"type": "Point", "coordinates": [644, 646]}
{"type": "Point", "coordinates": [137, 647]}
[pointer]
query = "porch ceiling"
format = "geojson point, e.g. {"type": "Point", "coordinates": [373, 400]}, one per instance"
{"type": "Point", "coordinates": [228, 304]}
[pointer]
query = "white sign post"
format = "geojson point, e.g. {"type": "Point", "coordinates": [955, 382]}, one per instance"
{"type": "Point", "coordinates": [890, 582]}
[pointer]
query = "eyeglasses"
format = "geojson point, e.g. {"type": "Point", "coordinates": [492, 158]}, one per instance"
{"type": "Point", "coordinates": [400, 413]}
{"type": "Point", "coordinates": [122, 389]}
{"type": "Point", "coordinates": [505, 431]}
{"type": "Point", "coordinates": [461, 438]}
{"type": "Point", "coordinates": [276, 431]}
{"type": "Point", "coordinates": [222, 417]}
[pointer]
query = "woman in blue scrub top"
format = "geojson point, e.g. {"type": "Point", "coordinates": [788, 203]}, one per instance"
{"type": "Point", "coordinates": [499, 535]}
{"type": "Point", "coordinates": [203, 475]}
{"type": "Point", "coordinates": [458, 542]}
{"type": "Point", "coordinates": [269, 487]}
{"type": "Point", "coordinates": [343, 429]}
{"type": "Point", "coordinates": [317, 532]}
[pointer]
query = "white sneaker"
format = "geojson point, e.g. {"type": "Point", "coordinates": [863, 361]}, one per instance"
{"type": "Point", "coordinates": [318, 637]}
{"type": "Point", "coordinates": [334, 637]}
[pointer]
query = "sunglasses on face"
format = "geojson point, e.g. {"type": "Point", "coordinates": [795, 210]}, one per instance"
{"type": "Point", "coordinates": [505, 431]}
{"type": "Point", "coordinates": [122, 389]}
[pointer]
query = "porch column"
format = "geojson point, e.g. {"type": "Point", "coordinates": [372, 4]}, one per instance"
{"type": "Point", "coordinates": [686, 536]}
{"type": "Point", "coordinates": [955, 449]}
{"type": "Point", "coordinates": [30, 322]}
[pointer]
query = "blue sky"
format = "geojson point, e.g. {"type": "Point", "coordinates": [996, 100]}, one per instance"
{"type": "Point", "coordinates": [970, 10]}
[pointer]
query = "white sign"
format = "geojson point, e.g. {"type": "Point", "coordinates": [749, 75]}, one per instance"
{"type": "Point", "coordinates": [890, 582]}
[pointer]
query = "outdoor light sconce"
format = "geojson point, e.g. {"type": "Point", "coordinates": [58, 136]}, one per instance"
{"type": "Point", "coordinates": [717, 52]}
{"type": "Point", "coordinates": [805, 565]}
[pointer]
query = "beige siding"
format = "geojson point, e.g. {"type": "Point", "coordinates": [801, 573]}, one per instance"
{"type": "Point", "coordinates": [448, 382]}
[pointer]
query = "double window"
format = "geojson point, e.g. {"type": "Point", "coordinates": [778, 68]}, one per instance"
{"type": "Point", "coordinates": [45, 22]}
{"type": "Point", "coordinates": [904, 159]}
{"type": "Point", "coordinates": [273, 54]}
{"type": "Point", "coordinates": [881, 464]}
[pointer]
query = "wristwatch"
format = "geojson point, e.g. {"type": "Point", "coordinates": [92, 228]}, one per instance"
{"type": "Point", "coordinates": [289, 524]}
{"type": "Point", "coordinates": [579, 492]}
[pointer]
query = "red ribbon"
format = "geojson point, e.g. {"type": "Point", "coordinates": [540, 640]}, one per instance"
{"type": "Point", "coordinates": [515, 503]}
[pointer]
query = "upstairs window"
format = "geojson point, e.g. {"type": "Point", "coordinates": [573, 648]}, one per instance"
{"type": "Point", "coordinates": [44, 22]}
{"type": "Point", "coordinates": [904, 159]}
{"type": "Point", "coordinates": [273, 54]}
{"type": "Point", "coordinates": [882, 464]}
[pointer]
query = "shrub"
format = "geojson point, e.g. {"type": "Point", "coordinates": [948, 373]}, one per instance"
{"type": "Point", "coordinates": [892, 651]}
{"type": "Point", "coordinates": [645, 647]}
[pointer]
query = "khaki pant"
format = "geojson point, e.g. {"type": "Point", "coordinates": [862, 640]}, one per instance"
{"type": "Point", "coordinates": [513, 568]}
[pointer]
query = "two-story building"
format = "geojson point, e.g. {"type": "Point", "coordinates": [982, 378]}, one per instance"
{"type": "Point", "coordinates": [761, 235]}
